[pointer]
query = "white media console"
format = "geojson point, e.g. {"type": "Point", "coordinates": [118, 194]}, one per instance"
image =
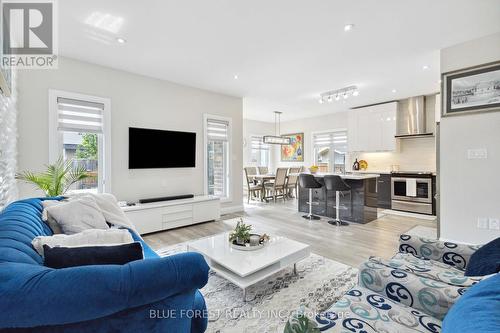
{"type": "Point", "coordinates": [163, 215]}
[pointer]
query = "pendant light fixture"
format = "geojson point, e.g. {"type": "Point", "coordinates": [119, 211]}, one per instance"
{"type": "Point", "coordinates": [277, 139]}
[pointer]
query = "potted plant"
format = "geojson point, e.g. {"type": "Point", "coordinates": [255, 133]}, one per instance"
{"type": "Point", "coordinates": [240, 234]}
{"type": "Point", "coordinates": [56, 179]}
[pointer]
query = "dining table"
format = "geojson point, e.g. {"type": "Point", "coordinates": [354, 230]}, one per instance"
{"type": "Point", "coordinates": [262, 179]}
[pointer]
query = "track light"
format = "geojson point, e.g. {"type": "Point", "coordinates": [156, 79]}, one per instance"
{"type": "Point", "coordinates": [337, 94]}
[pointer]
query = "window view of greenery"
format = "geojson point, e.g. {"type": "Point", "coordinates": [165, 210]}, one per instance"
{"type": "Point", "coordinates": [217, 168]}
{"type": "Point", "coordinates": [83, 149]}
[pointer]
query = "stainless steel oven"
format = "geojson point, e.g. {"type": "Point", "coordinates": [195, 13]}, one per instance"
{"type": "Point", "coordinates": [412, 192]}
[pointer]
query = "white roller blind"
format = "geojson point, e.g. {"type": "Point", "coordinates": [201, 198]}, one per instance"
{"type": "Point", "coordinates": [79, 116]}
{"type": "Point", "coordinates": [336, 139]}
{"type": "Point", "coordinates": [327, 139]}
{"type": "Point", "coordinates": [258, 143]}
{"type": "Point", "coordinates": [217, 130]}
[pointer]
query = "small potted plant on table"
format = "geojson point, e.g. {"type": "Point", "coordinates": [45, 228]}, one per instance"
{"type": "Point", "coordinates": [241, 238]}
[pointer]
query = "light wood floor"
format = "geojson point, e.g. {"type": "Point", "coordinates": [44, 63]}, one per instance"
{"type": "Point", "coordinates": [350, 245]}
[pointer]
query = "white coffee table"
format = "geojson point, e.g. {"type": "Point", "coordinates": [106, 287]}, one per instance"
{"type": "Point", "coordinates": [245, 268]}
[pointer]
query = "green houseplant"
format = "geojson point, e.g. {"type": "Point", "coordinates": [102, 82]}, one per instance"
{"type": "Point", "coordinates": [240, 234]}
{"type": "Point", "coordinates": [56, 179]}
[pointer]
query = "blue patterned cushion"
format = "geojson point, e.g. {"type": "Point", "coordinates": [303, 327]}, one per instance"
{"type": "Point", "coordinates": [428, 268]}
{"type": "Point", "coordinates": [362, 310]}
{"type": "Point", "coordinates": [453, 254]}
{"type": "Point", "coordinates": [421, 293]}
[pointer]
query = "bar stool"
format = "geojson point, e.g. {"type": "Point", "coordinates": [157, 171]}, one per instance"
{"type": "Point", "coordinates": [309, 182]}
{"type": "Point", "coordinates": [337, 184]}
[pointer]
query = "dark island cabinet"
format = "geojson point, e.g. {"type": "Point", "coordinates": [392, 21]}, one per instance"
{"type": "Point", "coordinates": [384, 191]}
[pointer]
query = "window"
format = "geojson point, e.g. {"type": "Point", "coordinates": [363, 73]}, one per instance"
{"type": "Point", "coordinates": [329, 150]}
{"type": "Point", "coordinates": [259, 152]}
{"type": "Point", "coordinates": [79, 132]}
{"type": "Point", "coordinates": [217, 156]}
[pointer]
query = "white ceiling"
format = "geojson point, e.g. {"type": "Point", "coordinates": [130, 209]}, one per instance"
{"type": "Point", "coordinates": [285, 52]}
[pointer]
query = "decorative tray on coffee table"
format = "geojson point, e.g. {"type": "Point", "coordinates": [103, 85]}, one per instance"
{"type": "Point", "coordinates": [247, 246]}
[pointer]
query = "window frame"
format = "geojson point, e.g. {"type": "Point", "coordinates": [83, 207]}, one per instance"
{"type": "Point", "coordinates": [104, 143]}
{"type": "Point", "coordinates": [268, 150]}
{"type": "Point", "coordinates": [331, 165]}
{"type": "Point", "coordinates": [206, 117]}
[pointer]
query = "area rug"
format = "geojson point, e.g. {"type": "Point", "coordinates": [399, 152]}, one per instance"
{"type": "Point", "coordinates": [319, 283]}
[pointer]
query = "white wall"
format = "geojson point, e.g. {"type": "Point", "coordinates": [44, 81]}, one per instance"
{"type": "Point", "coordinates": [8, 147]}
{"type": "Point", "coordinates": [469, 188]}
{"type": "Point", "coordinates": [135, 101]}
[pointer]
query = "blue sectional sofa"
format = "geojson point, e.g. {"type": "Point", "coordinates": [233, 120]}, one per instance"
{"type": "Point", "coordinates": [151, 295]}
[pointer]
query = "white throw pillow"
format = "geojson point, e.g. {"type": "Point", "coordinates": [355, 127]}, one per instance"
{"type": "Point", "coordinates": [91, 237]}
{"type": "Point", "coordinates": [51, 222]}
{"type": "Point", "coordinates": [77, 215]}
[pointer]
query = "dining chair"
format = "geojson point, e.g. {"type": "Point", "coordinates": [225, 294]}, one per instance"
{"type": "Point", "coordinates": [292, 181]}
{"type": "Point", "coordinates": [278, 188]}
{"type": "Point", "coordinates": [263, 170]}
{"type": "Point", "coordinates": [253, 188]}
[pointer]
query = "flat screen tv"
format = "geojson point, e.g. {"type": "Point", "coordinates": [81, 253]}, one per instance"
{"type": "Point", "coordinates": [151, 148]}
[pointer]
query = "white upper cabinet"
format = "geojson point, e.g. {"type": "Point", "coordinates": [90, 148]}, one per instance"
{"type": "Point", "coordinates": [373, 128]}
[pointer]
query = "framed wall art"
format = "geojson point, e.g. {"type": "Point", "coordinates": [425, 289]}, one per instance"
{"type": "Point", "coordinates": [294, 152]}
{"type": "Point", "coordinates": [475, 89]}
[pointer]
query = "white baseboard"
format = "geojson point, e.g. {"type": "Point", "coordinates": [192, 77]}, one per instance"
{"type": "Point", "coordinates": [231, 209]}
{"type": "Point", "coordinates": [408, 214]}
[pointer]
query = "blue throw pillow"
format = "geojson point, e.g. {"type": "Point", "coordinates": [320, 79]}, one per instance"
{"type": "Point", "coordinates": [486, 260]}
{"type": "Point", "coordinates": [61, 257]}
{"type": "Point", "coordinates": [477, 310]}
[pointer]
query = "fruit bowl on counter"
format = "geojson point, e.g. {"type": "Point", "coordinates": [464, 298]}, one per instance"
{"type": "Point", "coordinates": [313, 169]}
{"type": "Point", "coordinates": [363, 165]}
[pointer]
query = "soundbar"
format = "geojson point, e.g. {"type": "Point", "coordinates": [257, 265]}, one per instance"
{"type": "Point", "coordinates": [175, 197]}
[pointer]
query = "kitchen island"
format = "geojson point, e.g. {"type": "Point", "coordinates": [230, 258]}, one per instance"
{"type": "Point", "coordinates": [358, 206]}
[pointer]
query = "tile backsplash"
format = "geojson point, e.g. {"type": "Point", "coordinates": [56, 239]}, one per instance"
{"type": "Point", "coordinates": [417, 154]}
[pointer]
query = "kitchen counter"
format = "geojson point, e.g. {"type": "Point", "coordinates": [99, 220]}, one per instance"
{"type": "Point", "coordinates": [359, 205]}
{"type": "Point", "coordinates": [347, 176]}
{"type": "Point", "coordinates": [379, 172]}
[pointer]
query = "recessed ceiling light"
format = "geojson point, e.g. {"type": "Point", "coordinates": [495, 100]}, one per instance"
{"type": "Point", "coordinates": [425, 67]}
{"type": "Point", "coordinates": [121, 40]}
{"type": "Point", "coordinates": [394, 90]}
{"type": "Point", "coordinates": [235, 76]}
{"type": "Point", "coordinates": [348, 27]}
{"type": "Point", "coordinates": [355, 93]}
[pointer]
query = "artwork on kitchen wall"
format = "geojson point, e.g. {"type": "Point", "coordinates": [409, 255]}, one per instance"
{"type": "Point", "coordinates": [474, 89]}
{"type": "Point", "coordinates": [294, 152]}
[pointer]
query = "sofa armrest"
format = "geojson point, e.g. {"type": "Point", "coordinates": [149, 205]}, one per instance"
{"type": "Point", "coordinates": [33, 295]}
{"type": "Point", "coordinates": [421, 293]}
{"type": "Point", "coordinates": [453, 254]}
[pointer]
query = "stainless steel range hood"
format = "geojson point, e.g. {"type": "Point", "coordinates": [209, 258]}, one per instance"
{"type": "Point", "coordinates": [410, 118]}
